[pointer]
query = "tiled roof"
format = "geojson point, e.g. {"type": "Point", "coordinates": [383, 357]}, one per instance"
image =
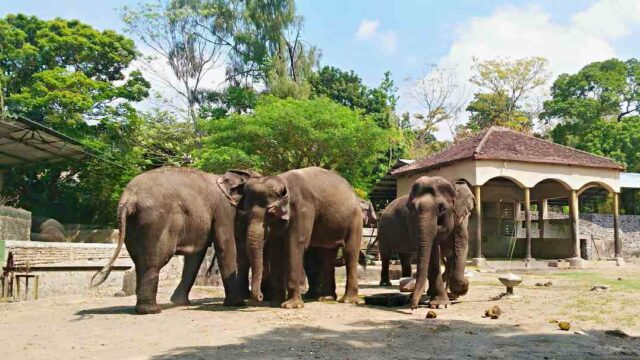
{"type": "Point", "coordinates": [497, 143]}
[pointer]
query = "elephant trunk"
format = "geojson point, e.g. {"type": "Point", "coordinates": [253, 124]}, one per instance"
{"type": "Point", "coordinates": [458, 284]}
{"type": "Point", "coordinates": [426, 230]}
{"type": "Point", "coordinates": [255, 246]}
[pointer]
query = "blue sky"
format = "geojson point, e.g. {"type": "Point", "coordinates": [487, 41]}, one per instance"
{"type": "Point", "coordinates": [371, 37]}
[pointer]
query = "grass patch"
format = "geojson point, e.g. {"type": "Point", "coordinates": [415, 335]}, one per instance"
{"type": "Point", "coordinates": [588, 278]}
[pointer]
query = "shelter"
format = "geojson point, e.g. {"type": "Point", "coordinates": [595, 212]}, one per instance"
{"type": "Point", "coordinates": [512, 176]}
{"type": "Point", "coordinates": [385, 190]}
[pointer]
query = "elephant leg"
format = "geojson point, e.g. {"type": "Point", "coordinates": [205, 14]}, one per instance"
{"type": "Point", "coordinates": [437, 292]}
{"type": "Point", "coordinates": [146, 289]}
{"type": "Point", "coordinates": [328, 275]}
{"type": "Point", "coordinates": [276, 283]}
{"type": "Point", "coordinates": [298, 236]}
{"type": "Point", "coordinates": [351, 251]}
{"type": "Point", "coordinates": [190, 269]}
{"type": "Point", "coordinates": [225, 247]}
{"type": "Point", "coordinates": [384, 272]}
{"type": "Point", "coordinates": [313, 263]}
{"type": "Point", "coordinates": [405, 260]}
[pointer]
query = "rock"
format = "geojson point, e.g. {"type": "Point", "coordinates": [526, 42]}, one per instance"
{"type": "Point", "coordinates": [564, 325]}
{"type": "Point", "coordinates": [600, 288]}
{"type": "Point", "coordinates": [548, 283]}
{"type": "Point", "coordinates": [120, 293]}
{"type": "Point", "coordinates": [493, 312]}
{"type": "Point", "coordinates": [407, 284]}
{"type": "Point", "coordinates": [619, 279]}
{"type": "Point", "coordinates": [431, 314]}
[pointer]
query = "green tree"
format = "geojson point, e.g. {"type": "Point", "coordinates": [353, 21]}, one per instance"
{"type": "Point", "coordinates": [62, 72]}
{"type": "Point", "coordinates": [495, 109]}
{"type": "Point", "coordinates": [509, 92]}
{"type": "Point", "coordinates": [346, 88]}
{"type": "Point", "coordinates": [284, 134]}
{"type": "Point", "coordinates": [601, 90]}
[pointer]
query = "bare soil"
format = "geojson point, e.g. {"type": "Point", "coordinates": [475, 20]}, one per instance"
{"type": "Point", "coordinates": [604, 324]}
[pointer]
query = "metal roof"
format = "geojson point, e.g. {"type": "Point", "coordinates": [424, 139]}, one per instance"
{"type": "Point", "coordinates": [630, 180]}
{"type": "Point", "coordinates": [24, 142]}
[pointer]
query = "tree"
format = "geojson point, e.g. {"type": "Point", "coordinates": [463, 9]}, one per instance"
{"type": "Point", "coordinates": [284, 134]}
{"type": "Point", "coordinates": [172, 30]}
{"type": "Point", "coordinates": [62, 72]}
{"type": "Point", "coordinates": [510, 87]}
{"type": "Point", "coordinates": [496, 109]}
{"type": "Point", "coordinates": [442, 98]}
{"type": "Point", "coordinates": [346, 88]}
{"type": "Point", "coordinates": [601, 90]}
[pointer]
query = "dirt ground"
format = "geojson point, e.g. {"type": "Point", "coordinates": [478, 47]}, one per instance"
{"type": "Point", "coordinates": [604, 324]}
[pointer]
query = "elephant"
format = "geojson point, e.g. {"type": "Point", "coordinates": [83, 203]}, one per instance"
{"type": "Point", "coordinates": [47, 229]}
{"type": "Point", "coordinates": [431, 222]}
{"type": "Point", "coordinates": [286, 214]}
{"type": "Point", "coordinates": [177, 211]}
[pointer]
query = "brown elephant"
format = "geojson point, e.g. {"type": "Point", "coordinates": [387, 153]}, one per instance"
{"type": "Point", "coordinates": [177, 211]}
{"type": "Point", "coordinates": [432, 222]}
{"type": "Point", "coordinates": [290, 212]}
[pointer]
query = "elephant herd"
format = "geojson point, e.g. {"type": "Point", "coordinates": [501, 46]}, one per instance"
{"type": "Point", "coordinates": [285, 229]}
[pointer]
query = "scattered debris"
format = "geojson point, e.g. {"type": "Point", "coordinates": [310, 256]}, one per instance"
{"type": "Point", "coordinates": [431, 314]}
{"type": "Point", "coordinates": [546, 284]}
{"type": "Point", "coordinates": [553, 321]}
{"type": "Point", "coordinates": [493, 312]}
{"type": "Point", "coordinates": [564, 325]}
{"type": "Point", "coordinates": [617, 333]}
{"type": "Point", "coordinates": [600, 288]}
{"type": "Point", "coordinates": [619, 279]}
{"type": "Point", "coordinates": [580, 332]}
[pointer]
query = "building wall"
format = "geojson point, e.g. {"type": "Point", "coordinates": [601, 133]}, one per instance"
{"type": "Point", "coordinates": [15, 224]}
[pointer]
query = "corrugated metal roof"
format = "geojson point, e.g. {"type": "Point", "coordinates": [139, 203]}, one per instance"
{"type": "Point", "coordinates": [630, 180]}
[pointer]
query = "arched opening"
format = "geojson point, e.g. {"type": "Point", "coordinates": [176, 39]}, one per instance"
{"type": "Point", "coordinates": [599, 225]}
{"type": "Point", "coordinates": [550, 220]}
{"type": "Point", "coordinates": [500, 198]}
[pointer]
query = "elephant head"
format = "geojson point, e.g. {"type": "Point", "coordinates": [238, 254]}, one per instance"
{"type": "Point", "coordinates": [265, 202]}
{"type": "Point", "coordinates": [369, 218]}
{"type": "Point", "coordinates": [232, 183]}
{"type": "Point", "coordinates": [464, 203]}
{"type": "Point", "coordinates": [431, 203]}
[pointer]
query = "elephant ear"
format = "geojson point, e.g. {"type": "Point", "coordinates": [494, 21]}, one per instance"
{"type": "Point", "coordinates": [281, 209]}
{"type": "Point", "coordinates": [232, 184]}
{"type": "Point", "coordinates": [463, 202]}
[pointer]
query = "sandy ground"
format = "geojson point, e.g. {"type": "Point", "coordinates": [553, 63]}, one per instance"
{"type": "Point", "coordinates": [82, 327]}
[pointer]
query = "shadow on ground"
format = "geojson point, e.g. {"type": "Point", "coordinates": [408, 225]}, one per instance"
{"type": "Point", "coordinates": [415, 339]}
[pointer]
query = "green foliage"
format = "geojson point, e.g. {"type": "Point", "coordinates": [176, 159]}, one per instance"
{"type": "Point", "coordinates": [231, 100]}
{"type": "Point", "coordinates": [495, 109]}
{"type": "Point", "coordinates": [619, 141]}
{"type": "Point", "coordinates": [346, 88]}
{"type": "Point", "coordinates": [60, 71]}
{"type": "Point", "coordinates": [287, 134]}
{"type": "Point", "coordinates": [601, 90]}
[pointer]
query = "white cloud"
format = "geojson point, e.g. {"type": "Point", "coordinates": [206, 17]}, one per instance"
{"type": "Point", "coordinates": [369, 30]}
{"type": "Point", "coordinates": [517, 32]}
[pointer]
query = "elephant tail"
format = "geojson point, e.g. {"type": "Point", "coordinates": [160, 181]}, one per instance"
{"type": "Point", "coordinates": [126, 207]}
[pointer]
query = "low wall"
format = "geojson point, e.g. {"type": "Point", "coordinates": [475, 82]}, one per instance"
{"type": "Point", "coordinates": [15, 224]}
{"type": "Point", "coordinates": [598, 229]}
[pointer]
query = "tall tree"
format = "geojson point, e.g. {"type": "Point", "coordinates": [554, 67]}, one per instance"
{"type": "Point", "coordinates": [442, 98]}
{"type": "Point", "coordinates": [172, 31]}
{"type": "Point", "coordinates": [63, 71]}
{"type": "Point", "coordinates": [601, 90]}
{"type": "Point", "coordinates": [509, 91]}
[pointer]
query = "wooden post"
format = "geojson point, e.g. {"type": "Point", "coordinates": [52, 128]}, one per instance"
{"type": "Point", "coordinates": [542, 214]}
{"type": "Point", "coordinates": [575, 223]}
{"type": "Point", "coordinates": [616, 229]}
{"type": "Point", "coordinates": [478, 260]}
{"type": "Point", "coordinates": [527, 219]}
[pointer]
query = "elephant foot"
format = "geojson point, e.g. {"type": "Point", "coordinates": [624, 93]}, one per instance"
{"type": "Point", "coordinates": [310, 295]}
{"type": "Point", "coordinates": [293, 304]}
{"type": "Point", "coordinates": [437, 301]}
{"type": "Point", "coordinates": [180, 300]}
{"type": "Point", "coordinates": [144, 309]}
{"type": "Point", "coordinates": [325, 298]}
{"type": "Point", "coordinates": [385, 283]}
{"type": "Point", "coordinates": [350, 299]}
